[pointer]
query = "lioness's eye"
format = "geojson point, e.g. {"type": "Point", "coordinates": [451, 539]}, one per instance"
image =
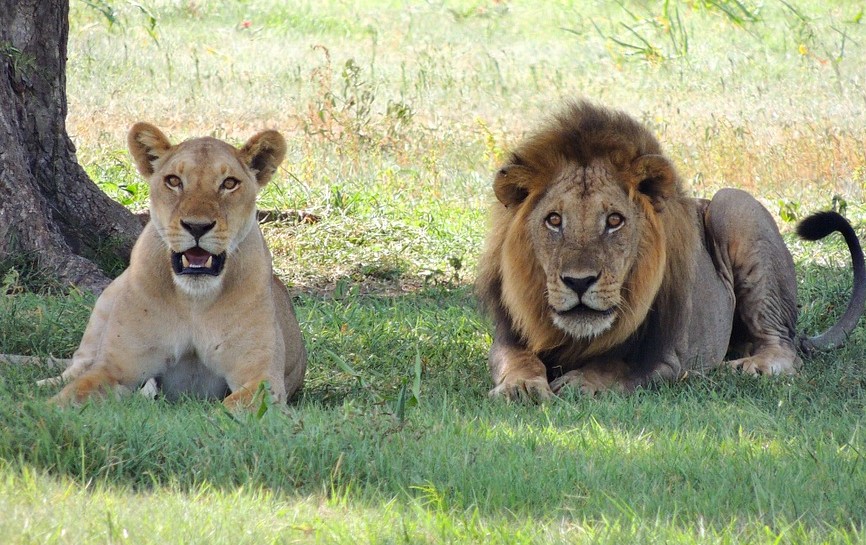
{"type": "Point", "coordinates": [173, 181]}
{"type": "Point", "coordinates": [553, 220]}
{"type": "Point", "coordinates": [615, 221]}
{"type": "Point", "coordinates": [230, 183]}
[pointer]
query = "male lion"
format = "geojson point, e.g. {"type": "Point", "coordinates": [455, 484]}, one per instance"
{"type": "Point", "coordinates": [199, 307]}
{"type": "Point", "coordinates": [600, 273]}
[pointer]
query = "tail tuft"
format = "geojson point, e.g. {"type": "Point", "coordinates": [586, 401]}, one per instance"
{"type": "Point", "coordinates": [821, 224]}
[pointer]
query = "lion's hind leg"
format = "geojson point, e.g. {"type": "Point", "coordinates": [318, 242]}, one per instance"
{"type": "Point", "coordinates": [750, 254]}
{"type": "Point", "coordinates": [769, 360]}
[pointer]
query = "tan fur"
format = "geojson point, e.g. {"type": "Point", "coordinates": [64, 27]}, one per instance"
{"type": "Point", "coordinates": [199, 334]}
{"type": "Point", "coordinates": [599, 303]}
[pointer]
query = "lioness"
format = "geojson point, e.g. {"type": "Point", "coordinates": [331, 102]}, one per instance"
{"type": "Point", "coordinates": [199, 307]}
{"type": "Point", "coordinates": [600, 273]}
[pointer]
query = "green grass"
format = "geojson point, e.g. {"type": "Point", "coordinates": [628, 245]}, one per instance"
{"type": "Point", "coordinates": [396, 115]}
{"type": "Point", "coordinates": [743, 458]}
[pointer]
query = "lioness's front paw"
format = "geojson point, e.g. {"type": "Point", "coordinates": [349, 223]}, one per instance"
{"type": "Point", "coordinates": [589, 381]}
{"type": "Point", "coordinates": [252, 395]}
{"type": "Point", "coordinates": [534, 388]}
{"type": "Point", "coordinates": [74, 394]}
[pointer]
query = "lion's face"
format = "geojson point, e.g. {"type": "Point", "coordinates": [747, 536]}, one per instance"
{"type": "Point", "coordinates": [202, 198]}
{"type": "Point", "coordinates": [585, 234]}
{"type": "Point", "coordinates": [583, 242]}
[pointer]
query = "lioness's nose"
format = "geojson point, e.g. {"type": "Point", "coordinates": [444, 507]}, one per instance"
{"type": "Point", "coordinates": [197, 230]}
{"type": "Point", "coordinates": [579, 284]}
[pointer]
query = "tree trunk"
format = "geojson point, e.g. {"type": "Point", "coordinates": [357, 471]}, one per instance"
{"type": "Point", "coordinates": [49, 209]}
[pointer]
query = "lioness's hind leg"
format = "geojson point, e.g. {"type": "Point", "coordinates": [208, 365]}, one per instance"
{"type": "Point", "coordinates": [751, 255]}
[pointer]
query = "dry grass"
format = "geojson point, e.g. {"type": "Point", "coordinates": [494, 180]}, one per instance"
{"type": "Point", "coordinates": [396, 114]}
{"type": "Point", "coordinates": [758, 97]}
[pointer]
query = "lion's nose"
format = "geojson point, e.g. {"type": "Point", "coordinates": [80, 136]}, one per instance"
{"type": "Point", "coordinates": [579, 284]}
{"type": "Point", "coordinates": [197, 230]}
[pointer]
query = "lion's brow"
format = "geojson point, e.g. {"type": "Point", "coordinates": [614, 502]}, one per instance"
{"type": "Point", "coordinates": [579, 179]}
{"type": "Point", "coordinates": [594, 175]}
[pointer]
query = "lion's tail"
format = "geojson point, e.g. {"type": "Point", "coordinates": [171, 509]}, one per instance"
{"type": "Point", "coordinates": [816, 227]}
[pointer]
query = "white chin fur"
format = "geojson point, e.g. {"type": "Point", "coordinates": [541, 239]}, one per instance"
{"type": "Point", "coordinates": [199, 286]}
{"type": "Point", "coordinates": [581, 329]}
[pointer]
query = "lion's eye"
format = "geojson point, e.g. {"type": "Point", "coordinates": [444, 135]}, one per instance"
{"type": "Point", "coordinates": [553, 220]}
{"type": "Point", "coordinates": [614, 222]}
{"type": "Point", "coordinates": [230, 183]}
{"type": "Point", "coordinates": [173, 182]}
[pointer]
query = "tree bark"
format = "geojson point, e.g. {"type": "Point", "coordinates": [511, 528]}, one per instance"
{"type": "Point", "coordinates": [49, 209]}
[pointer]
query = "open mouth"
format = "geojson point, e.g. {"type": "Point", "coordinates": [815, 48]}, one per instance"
{"type": "Point", "coordinates": [197, 261]}
{"type": "Point", "coordinates": [582, 311]}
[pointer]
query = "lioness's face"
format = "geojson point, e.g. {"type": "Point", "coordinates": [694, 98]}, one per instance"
{"type": "Point", "coordinates": [202, 198]}
{"type": "Point", "coordinates": [585, 234]}
{"type": "Point", "coordinates": [203, 205]}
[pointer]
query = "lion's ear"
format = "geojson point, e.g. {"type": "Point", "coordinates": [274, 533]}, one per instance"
{"type": "Point", "coordinates": [511, 184]}
{"type": "Point", "coordinates": [263, 153]}
{"type": "Point", "coordinates": [655, 177]}
{"type": "Point", "coordinates": [146, 144]}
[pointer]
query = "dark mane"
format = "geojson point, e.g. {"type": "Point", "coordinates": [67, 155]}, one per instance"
{"type": "Point", "coordinates": [582, 132]}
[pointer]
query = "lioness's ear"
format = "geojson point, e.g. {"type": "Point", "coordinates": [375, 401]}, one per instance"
{"type": "Point", "coordinates": [146, 144]}
{"type": "Point", "coordinates": [263, 153]}
{"type": "Point", "coordinates": [656, 178]}
{"type": "Point", "coordinates": [511, 184]}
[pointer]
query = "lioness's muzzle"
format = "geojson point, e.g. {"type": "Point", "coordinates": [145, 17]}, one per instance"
{"type": "Point", "coordinates": [197, 261]}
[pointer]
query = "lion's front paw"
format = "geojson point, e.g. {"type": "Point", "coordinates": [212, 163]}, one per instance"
{"type": "Point", "coordinates": [523, 388]}
{"type": "Point", "coordinates": [589, 381]}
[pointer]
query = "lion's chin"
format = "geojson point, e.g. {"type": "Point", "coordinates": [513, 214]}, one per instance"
{"type": "Point", "coordinates": [582, 322]}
